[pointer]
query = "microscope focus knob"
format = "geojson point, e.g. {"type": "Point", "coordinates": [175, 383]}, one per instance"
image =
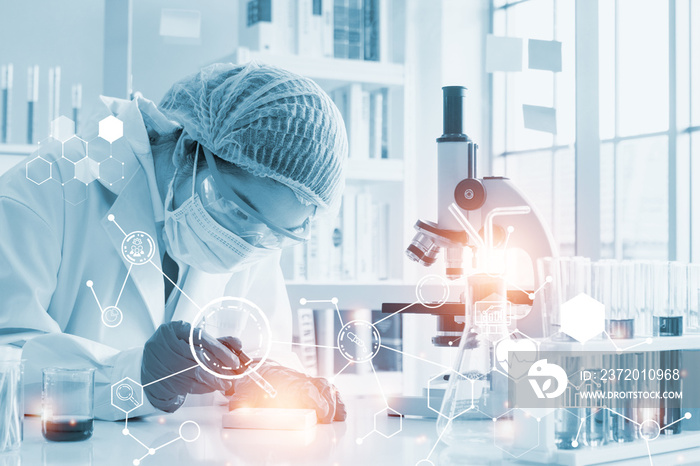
{"type": "Point", "coordinates": [470, 194]}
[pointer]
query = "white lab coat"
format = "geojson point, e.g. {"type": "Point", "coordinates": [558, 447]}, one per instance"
{"type": "Point", "coordinates": [49, 249]}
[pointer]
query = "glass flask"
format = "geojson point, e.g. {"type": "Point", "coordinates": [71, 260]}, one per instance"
{"type": "Point", "coordinates": [475, 393]}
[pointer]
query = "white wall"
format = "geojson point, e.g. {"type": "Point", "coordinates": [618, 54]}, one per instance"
{"type": "Point", "coordinates": [157, 62]}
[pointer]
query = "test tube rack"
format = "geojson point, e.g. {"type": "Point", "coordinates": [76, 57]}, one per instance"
{"type": "Point", "coordinates": [538, 445]}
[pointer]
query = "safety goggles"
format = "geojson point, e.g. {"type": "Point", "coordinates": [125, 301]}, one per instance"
{"type": "Point", "coordinates": [234, 214]}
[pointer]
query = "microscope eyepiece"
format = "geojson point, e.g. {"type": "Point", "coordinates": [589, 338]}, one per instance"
{"type": "Point", "coordinates": [453, 105]}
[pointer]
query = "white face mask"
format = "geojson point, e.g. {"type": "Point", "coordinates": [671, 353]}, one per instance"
{"type": "Point", "coordinates": [192, 236]}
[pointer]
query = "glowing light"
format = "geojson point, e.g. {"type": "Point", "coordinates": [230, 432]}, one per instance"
{"type": "Point", "coordinates": [302, 301]}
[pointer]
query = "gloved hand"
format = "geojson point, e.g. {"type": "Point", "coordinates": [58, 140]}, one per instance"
{"type": "Point", "coordinates": [168, 352]}
{"type": "Point", "coordinates": [294, 390]}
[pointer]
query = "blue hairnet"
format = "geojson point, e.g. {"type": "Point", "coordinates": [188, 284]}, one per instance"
{"type": "Point", "coordinates": [268, 121]}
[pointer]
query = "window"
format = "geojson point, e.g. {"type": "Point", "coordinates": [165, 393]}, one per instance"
{"type": "Point", "coordinates": [642, 128]}
{"type": "Point", "coordinates": [541, 164]}
{"type": "Point", "coordinates": [649, 119]}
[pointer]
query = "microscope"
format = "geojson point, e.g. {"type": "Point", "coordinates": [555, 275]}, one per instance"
{"type": "Point", "coordinates": [487, 217]}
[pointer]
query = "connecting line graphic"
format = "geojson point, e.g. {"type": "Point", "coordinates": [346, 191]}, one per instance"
{"type": "Point", "coordinates": [128, 394]}
{"type": "Point", "coordinates": [333, 301]}
{"type": "Point", "coordinates": [647, 341]}
{"type": "Point", "coordinates": [186, 437]}
{"type": "Point", "coordinates": [394, 313]}
{"type": "Point", "coordinates": [175, 285]}
{"type": "Point", "coordinates": [649, 429]}
{"type": "Point", "coordinates": [421, 359]}
{"type": "Point", "coordinates": [139, 248]}
{"type": "Point", "coordinates": [302, 344]}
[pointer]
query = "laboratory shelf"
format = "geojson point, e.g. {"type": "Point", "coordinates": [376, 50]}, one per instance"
{"type": "Point", "coordinates": [17, 149]}
{"type": "Point", "coordinates": [327, 69]}
{"type": "Point", "coordinates": [616, 452]}
{"type": "Point", "coordinates": [685, 342]}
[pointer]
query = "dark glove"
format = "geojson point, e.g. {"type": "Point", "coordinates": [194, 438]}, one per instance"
{"type": "Point", "coordinates": [294, 390]}
{"type": "Point", "coordinates": [168, 352]}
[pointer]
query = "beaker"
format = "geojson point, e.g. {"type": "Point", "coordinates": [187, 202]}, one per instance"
{"type": "Point", "coordinates": [475, 394]}
{"type": "Point", "coordinates": [67, 404]}
{"type": "Point", "coordinates": [11, 399]}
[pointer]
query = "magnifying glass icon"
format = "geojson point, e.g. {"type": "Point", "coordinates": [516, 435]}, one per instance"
{"type": "Point", "coordinates": [126, 393]}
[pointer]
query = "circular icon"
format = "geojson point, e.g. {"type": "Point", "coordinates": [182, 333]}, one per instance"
{"type": "Point", "coordinates": [125, 392]}
{"type": "Point", "coordinates": [112, 316]}
{"type": "Point", "coordinates": [649, 430]}
{"type": "Point", "coordinates": [189, 431]}
{"type": "Point", "coordinates": [231, 317]}
{"type": "Point", "coordinates": [358, 341]}
{"type": "Point", "coordinates": [138, 247]}
{"type": "Point", "coordinates": [428, 297]}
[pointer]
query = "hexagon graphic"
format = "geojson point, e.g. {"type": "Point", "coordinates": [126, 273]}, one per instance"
{"type": "Point", "coordinates": [464, 391]}
{"type": "Point", "coordinates": [99, 150]}
{"type": "Point", "coordinates": [387, 427]}
{"type": "Point", "coordinates": [50, 149]}
{"type": "Point", "coordinates": [86, 170]}
{"type": "Point", "coordinates": [38, 170]}
{"type": "Point", "coordinates": [111, 170]}
{"type": "Point", "coordinates": [515, 436]}
{"type": "Point", "coordinates": [63, 170]}
{"type": "Point", "coordinates": [513, 349]}
{"type": "Point", "coordinates": [74, 191]}
{"type": "Point", "coordinates": [111, 128]}
{"type": "Point", "coordinates": [582, 317]}
{"type": "Point", "coordinates": [75, 149]}
{"type": "Point", "coordinates": [62, 128]}
{"type": "Point", "coordinates": [127, 395]}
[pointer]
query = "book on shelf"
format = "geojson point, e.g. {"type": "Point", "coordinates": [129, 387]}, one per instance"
{"type": "Point", "coordinates": [355, 30]}
{"type": "Point", "coordinates": [268, 26]}
{"type": "Point", "coordinates": [304, 334]}
{"type": "Point", "coordinates": [354, 245]}
{"type": "Point", "coordinates": [350, 29]}
{"type": "Point", "coordinates": [341, 28]}
{"type": "Point", "coordinates": [366, 116]}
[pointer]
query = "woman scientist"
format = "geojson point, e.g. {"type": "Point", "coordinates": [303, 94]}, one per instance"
{"type": "Point", "coordinates": [230, 168]}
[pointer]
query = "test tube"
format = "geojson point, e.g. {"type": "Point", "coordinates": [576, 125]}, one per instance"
{"type": "Point", "coordinates": [32, 98]}
{"type": "Point", "coordinates": [76, 104]}
{"type": "Point", "coordinates": [6, 75]}
{"type": "Point", "coordinates": [595, 430]}
{"type": "Point", "coordinates": [617, 279]}
{"type": "Point", "coordinates": [692, 316]}
{"type": "Point", "coordinates": [549, 280]}
{"type": "Point", "coordinates": [668, 322]}
{"type": "Point", "coordinates": [643, 298]}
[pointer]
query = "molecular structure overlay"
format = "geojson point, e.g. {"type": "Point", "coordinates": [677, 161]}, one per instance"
{"type": "Point", "coordinates": [74, 163]}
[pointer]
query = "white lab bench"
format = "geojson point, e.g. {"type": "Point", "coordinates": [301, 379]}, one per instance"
{"type": "Point", "coordinates": [324, 445]}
